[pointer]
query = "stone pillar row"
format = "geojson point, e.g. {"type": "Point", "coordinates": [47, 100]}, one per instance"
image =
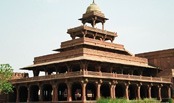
{"type": "Point", "coordinates": [98, 93]}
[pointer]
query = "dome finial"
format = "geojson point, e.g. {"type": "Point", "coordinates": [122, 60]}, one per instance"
{"type": "Point", "coordinates": [94, 1]}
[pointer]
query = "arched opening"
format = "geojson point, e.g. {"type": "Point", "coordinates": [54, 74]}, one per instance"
{"type": "Point", "coordinates": [144, 91]}
{"type": "Point", "coordinates": [34, 96]}
{"type": "Point", "coordinates": [105, 90]}
{"type": "Point", "coordinates": [23, 94]}
{"type": "Point", "coordinates": [62, 92]}
{"type": "Point", "coordinates": [91, 67]}
{"type": "Point", "coordinates": [105, 69]}
{"type": "Point", "coordinates": [132, 91]}
{"type": "Point", "coordinates": [120, 91]}
{"type": "Point", "coordinates": [76, 91]}
{"type": "Point", "coordinates": [12, 96]}
{"type": "Point", "coordinates": [136, 72]}
{"type": "Point", "coordinates": [118, 71]}
{"type": "Point", "coordinates": [126, 72]}
{"type": "Point", "coordinates": [164, 92]}
{"type": "Point", "coordinates": [63, 69]}
{"type": "Point", "coordinates": [76, 68]}
{"type": "Point", "coordinates": [90, 91]}
{"type": "Point", "coordinates": [154, 92]}
{"type": "Point", "coordinates": [47, 92]}
{"type": "Point", "coordinates": [146, 72]}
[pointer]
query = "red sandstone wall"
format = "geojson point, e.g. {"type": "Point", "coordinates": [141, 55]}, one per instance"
{"type": "Point", "coordinates": [19, 75]}
{"type": "Point", "coordinates": [3, 98]}
{"type": "Point", "coordinates": [163, 59]}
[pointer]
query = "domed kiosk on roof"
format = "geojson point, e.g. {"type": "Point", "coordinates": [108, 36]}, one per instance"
{"type": "Point", "coordinates": [93, 7]}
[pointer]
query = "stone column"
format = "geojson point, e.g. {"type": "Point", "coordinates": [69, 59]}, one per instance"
{"type": "Point", "coordinates": [83, 92]}
{"type": "Point", "coordinates": [28, 98]}
{"type": "Point", "coordinates": [138, 92]}
{"type": "Point", "coordinates": [149, 91]}
{"type": "Point", "coordinates": [35, 73]}
{"type": "Point", "coordinates": [69, 87]}
{"type": "Point", "coordinates": [46, 73]}
{"type": "Point", "coordinates": [127, 91]}
{"type": "Point", "coordinates": [103, 25]}
{"type": "Point", "coordinates": [113, 90]}
{"type": "Point", "coordinates": [17, 94]}
{"type": "Point", "coordinates": [41, 93]}
{"type": "Point", "coordinates": [159, 93]}
{"type": "Point", "coordinates": [98, 90]}
{"type": "Point", "coordinates": [98, 67]}
{"type": "Point", "coordinates": [169, 92]}
{"type": "Point", "coordinates": [94, 21]}
{"type": "Point", "coordinates": [55, 95]}
{"type": "Point", "coordinates": [69, 67]}
{"type": "Point", "coordinates": [57, 72]}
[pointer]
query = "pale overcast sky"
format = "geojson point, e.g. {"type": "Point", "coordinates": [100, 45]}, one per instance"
{"type": "Point", "coordinates": [30, 28]}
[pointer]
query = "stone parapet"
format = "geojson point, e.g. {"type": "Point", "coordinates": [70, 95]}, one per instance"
{"type": "Point", "coordinates": [20, 75]}
{"type": "Point", "coordinates": [163, 59]}
{"type": "Point", "coordinates": [91, 29]}
{"type": "Point", "coordinates": [101, 75]}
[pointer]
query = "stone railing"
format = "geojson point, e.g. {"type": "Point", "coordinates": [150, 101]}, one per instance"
{"type": "Point", "coordinates": [48, 77]}
{"type": "Point", "coordinates": [100, 31]}
{"type": "Point", "coordinates": [128, 77]}
{"type": "Point", "coordinates": [91, 29]}
{"type": "Point", "coordinates": [94, 75]}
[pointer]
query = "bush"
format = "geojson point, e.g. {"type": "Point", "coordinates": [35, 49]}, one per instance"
{"type": "Point", "coordinates": [171, 100]}
{"type": "Point", "coordinates": [123, 100]}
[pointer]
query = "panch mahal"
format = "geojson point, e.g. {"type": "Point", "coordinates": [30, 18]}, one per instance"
{"type": "Point", "coordinates": [88, 67]}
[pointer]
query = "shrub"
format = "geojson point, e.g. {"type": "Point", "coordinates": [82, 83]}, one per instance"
{"type": "Point", "coordinates": [123, 100]}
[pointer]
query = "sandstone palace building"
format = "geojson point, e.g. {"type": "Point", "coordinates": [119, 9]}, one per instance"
{"type": "Point", "coordinates": [88, 67]}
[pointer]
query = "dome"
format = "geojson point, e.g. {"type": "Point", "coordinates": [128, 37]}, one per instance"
{"type": "Point", "coordinates": [93, 7]}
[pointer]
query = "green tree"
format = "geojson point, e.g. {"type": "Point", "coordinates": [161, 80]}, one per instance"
{"type": "Point", "coordinates": [6, 73]}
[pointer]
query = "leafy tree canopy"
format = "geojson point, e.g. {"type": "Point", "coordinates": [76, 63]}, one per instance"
{"type": "Point", "coordinates": [6, 73]}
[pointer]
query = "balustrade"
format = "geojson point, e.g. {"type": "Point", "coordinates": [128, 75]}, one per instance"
{"type": "Point", "coordinates": [94, 74]}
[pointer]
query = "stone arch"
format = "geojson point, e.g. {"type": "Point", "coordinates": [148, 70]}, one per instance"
{"type": "Point", "coordinates": [125, 72]}
{"type": "Point", "coordinates": [62, 92]}
{"type": "Point", "coordinates": [136, 72]}
{"type": "Point", "coordinates": [105, 90]}
{"type": "Point", "coordinates": [91, 67]}
{"type": "Point", "coordinates": [47, 92]}
{"type": "Point", "coordinates": [105, 68]}
{"type": "Point", "coordinates": [144, 91]}
{"type": "Point", "coordinates": [76, 91]}
{"type": "Point", "coordinates": [132, 91]}
{"type": "Point", "coordinates": [154, 92]}
{"type": "Point", "coordinates": [12, 96]}
{"type": "Point", "coordinates": [164, 92]}
{"type": "Point", "coordinates": [120, 90]}
{"type": "Point", "coordinates": [23, 94]}
{"type": "Point", "coordinates": [91, 91]}
{"type": "Point", "coordinates": [75, 67]}
{"type": "Point", "coordinates": [63, 69]}
{"type": "Point", "coordinates": [34, 93]}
